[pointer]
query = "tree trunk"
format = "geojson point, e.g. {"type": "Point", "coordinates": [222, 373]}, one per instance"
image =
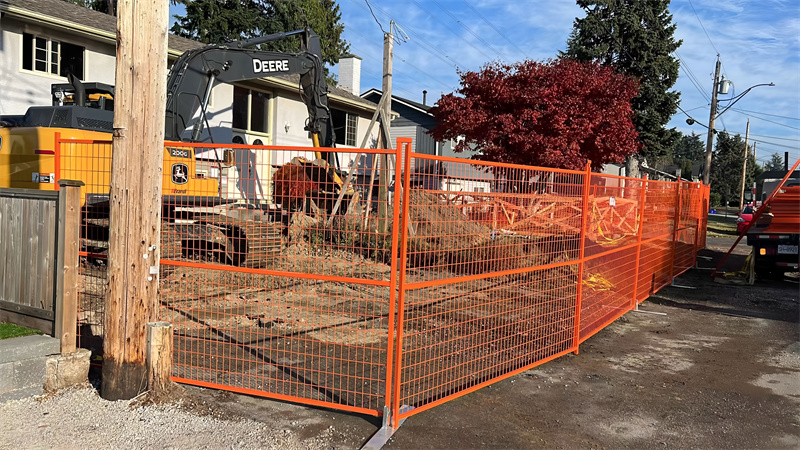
{"type": "Point", "coordinates": [632, 167]}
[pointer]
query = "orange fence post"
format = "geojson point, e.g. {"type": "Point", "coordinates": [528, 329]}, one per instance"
{"type": "Point", "coordinates": [642, 203]}
{"type": "Point", "coordinates": [57, 160]}
{"type": "Point", "coordinates": [587, 178]}
{"type": "Point", "coordinates": [697, 223]}
{"type": "Point", "coordinates": [675, 226]}
{"type": "Point", "coordinates": [401, 288]}
{"type": "Point", "coordinates": [387, 414]}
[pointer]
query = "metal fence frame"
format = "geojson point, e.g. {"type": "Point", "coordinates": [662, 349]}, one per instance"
{"type": "Point", "coordinates": [596, 285]}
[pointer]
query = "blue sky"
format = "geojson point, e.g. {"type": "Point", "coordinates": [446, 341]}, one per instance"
{"type": "Point", "coordinates": [758, 42]}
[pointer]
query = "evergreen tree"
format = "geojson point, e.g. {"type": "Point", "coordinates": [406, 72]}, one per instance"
{"type": "Point", "coordinates": [726, 167]}
{"type": "Point", "coordinates": [775, 163]}
{"type": "Point", "coordinates": [217, 21]}
{"type": "Point", "coordinates": [636, 37]}
{"type": "Point", "coordinates": [688, 149]}
{"type": "Point", "coordinates": [322, 16]}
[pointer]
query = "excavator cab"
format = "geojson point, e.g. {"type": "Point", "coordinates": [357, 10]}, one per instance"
{"type": "Point", "coordinates": [95, 95]}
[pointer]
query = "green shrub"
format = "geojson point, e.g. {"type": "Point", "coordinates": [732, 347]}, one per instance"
{"type": "Point", "coordinates": [715, 199]}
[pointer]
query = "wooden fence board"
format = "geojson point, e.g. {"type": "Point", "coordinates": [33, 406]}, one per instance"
{"type": "Point", "coordinates": [34, 284]}
{"type": "Point", "coordinates": [48, 257]}
{"type": "Point", "coordinates": [3, 244]}
{"type": "Point", "coordinates": [18, 237]}
{"type": "Point", "coordinates": [27, 264]}
{"type": "Point", "coordinates": [27, 239]}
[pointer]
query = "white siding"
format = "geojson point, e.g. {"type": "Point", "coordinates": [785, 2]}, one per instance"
{"type": "Point", "coordinates": [23, 89]}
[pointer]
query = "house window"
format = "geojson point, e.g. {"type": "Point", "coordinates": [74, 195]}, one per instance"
{"type": "Point", "coordinates": [250, 110]}
{"type": "Point", "coordinates": [40, 54]}
{"type": "Point", "coordinates": [345, 126]}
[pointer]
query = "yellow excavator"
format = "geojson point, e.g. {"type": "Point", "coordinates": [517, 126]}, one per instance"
{"type": "Point", "coordinates": [30, 158]}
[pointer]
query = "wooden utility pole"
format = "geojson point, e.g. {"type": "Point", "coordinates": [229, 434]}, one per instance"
{"type": "Point", "coordinates": [711, 118]}
{"type": "Point", "coordinates": [135, 197]}
{"type": "Point", "coordinates": [383, 214]}
{"type": "Point", "coordinates": [744, 165]}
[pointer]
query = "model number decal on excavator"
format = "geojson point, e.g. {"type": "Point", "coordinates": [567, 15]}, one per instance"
{"type": "Point", "coordinates": [266, 66]}
{"type": "Point", "coordinates": [179, 153]}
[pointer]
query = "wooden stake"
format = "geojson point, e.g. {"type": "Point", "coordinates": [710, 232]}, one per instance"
{"type": "Point", "coordinates": [159, 357]}
{"type": "Point", "coordinates": [135, 196]}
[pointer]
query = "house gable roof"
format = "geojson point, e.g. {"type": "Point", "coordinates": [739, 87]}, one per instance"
{"type": "Point", "coordinates": [403, 101]}
{"type": "Point", "coordinates": [77, 18]}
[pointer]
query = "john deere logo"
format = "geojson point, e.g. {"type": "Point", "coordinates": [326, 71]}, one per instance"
{"type": "Point", "coordinates": [180, 173]}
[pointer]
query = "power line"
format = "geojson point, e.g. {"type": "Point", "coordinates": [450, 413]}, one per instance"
{"type": "Point", "coordinates": [761, 141]}
{"type": "Point", "coordinates": [776, 137]}
{"type": "Point", "coordinates": [495, 29]}
{"type": "Point", "coordinates": [426, 45]}
{"type": "Point", "coordinates": [373, 16]}
{"type": "Point", "coordinates": [469, 30]}
{"type": "Point", "coordinates": [772, 121]}
{"type": "Point", "coordinates": [417, 69]}
{"type": "Point", "coordinates": [703, 27]}
{"type": "Point", "coordinates": [450, 29]}
{"type": "Point", "coordinates": [692, 77]}
{"type": "Point", "coordinates": [765, 114]}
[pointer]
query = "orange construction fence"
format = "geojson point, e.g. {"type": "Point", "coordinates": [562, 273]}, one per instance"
{"type": "Point", "coordinates": [395, 284]}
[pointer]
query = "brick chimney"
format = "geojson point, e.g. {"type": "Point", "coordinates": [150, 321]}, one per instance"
{"type": "Point", "coordinates": [350, 74]}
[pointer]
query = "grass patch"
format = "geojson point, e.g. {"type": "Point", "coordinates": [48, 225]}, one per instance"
{"type": "Point", "coordinates": [9, 330]}
{"type": "Point", "coordinates": [721, 226]}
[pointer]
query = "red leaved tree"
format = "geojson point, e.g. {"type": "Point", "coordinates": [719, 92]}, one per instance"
{"type": "Point", "coordinates": [557, 113]}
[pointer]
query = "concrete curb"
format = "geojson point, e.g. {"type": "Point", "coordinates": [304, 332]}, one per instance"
{"type": "Point", "coordinates": [22, 365]}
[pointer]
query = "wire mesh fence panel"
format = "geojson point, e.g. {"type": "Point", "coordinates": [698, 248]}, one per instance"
{"type": "Point", "coordinates": [491, 275]}
{"type": "Point", "coordinates": [90, 162]}
{"type": "Point", "coordinates": [614, 229]}
{"type": "Point", "coordinates": [467, 218]}
{"type": "Point", "coordinates": [502, 260]}
{"type": "Point", "coordinates": [279, 284]}
{"type": "Point", "coordinates": [458, 336]}
{"type": "Point", "coordinates": [376, 285]}
{"type": "Point", "coordinates": [687, 239]}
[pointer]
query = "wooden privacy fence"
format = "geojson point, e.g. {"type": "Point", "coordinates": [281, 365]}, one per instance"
{"type": "Point", "coordinates": [484, 270]}
{"type": "Point", "coordinates": [39, 244]}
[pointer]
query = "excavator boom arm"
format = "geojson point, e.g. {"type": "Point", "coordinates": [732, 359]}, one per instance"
{"type": "Point", "coordinates": [197, 71]}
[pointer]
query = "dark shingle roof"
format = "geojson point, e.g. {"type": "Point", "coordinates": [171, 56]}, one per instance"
{"type": "Point", "coordinates": [68, 12]}
{"type": "Point", "coordinates": [411, 103]}
{"type": "Point", "coordinates": [777, 174]}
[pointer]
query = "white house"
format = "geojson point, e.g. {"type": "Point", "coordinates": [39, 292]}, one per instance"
{"type": "Point", "coordinates": [41, 40]}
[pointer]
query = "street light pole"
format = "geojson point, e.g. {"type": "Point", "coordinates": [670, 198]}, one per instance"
{"type": "Point", "coordinates": [744, 166]}
{"type": "Point", "coordinates": [711, 117]}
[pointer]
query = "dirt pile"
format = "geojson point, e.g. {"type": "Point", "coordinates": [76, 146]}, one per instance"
{"type": "Point", "coordinates": [442, 236]}
{"type": "Point", "coordinates": [441, 225]}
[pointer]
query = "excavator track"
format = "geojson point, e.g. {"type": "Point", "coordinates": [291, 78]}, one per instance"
{"type": "Point", "coordinates": [250, 243]}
